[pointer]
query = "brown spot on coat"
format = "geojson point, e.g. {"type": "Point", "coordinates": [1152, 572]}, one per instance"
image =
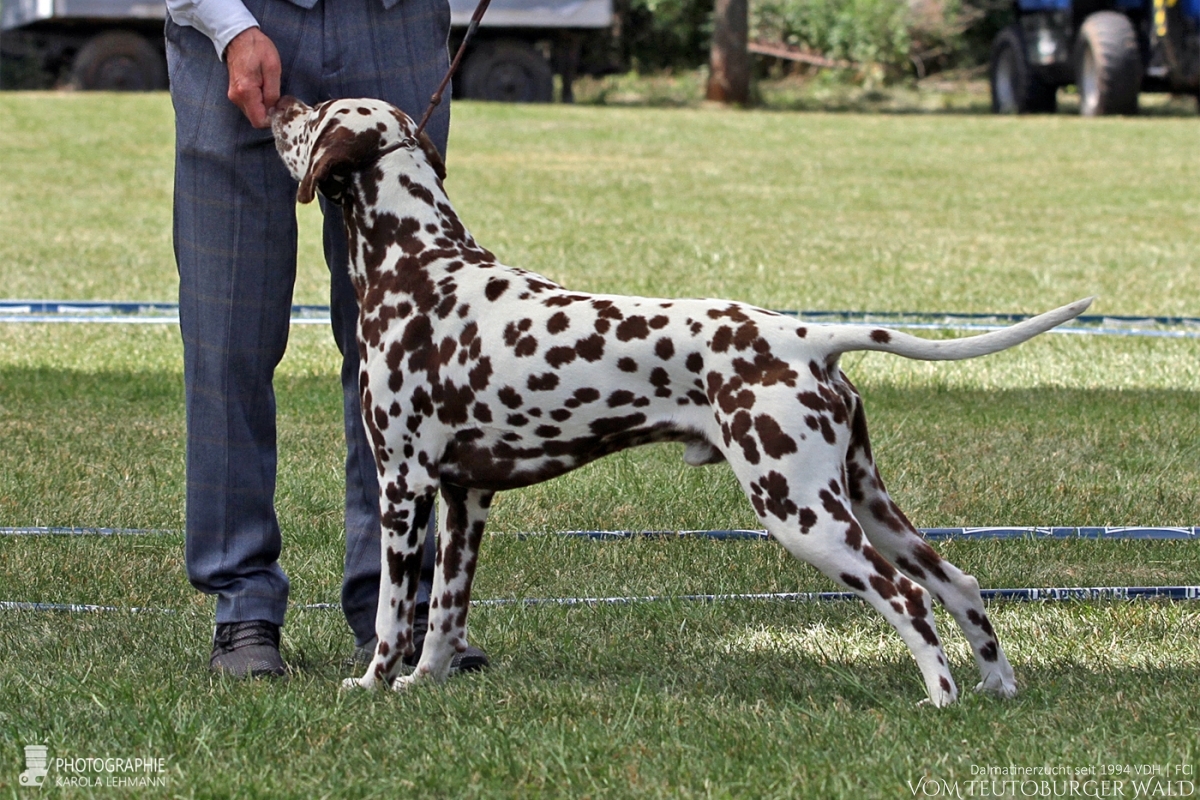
{"type": "Point", "coordinates": [621, 397]}
{"type": "Point", "coordinates": [980, 621]}
{"type": "Point", "coordinates": [853, 582]}
{"type": "Point", "coordinates": [922, 627]}
{"type": "Point", "coordinates": [777, 490]}
{"type": "Point", "coordinates": [586, 395]}
{"type": "Point", "coordinates": [775, 443]}
{"type": "Point", "coordinates": [633, 328]}
{"type": "Point", "coordinates": [560, 355]}
{"type": "Point", "coordinates": [883, 587]}
{"type": "Point", "coordinates": [480, 376]}
{"type": "Point", "coordinates": [558, 323]}
{"type": "Point", "coordinates": [542, 383]}
{"type": "Point", "coordinates": [590, 348]}
{"type": "Point", "coordinates": [510, 397]}
{"type": "Point", "coordinates": [527, 346]}
{"type": "Point", "coordinates": [928, 557]}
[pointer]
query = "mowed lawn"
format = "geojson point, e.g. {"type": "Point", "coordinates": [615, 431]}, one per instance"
{"type": "Point", "coordinates": [668, 699]}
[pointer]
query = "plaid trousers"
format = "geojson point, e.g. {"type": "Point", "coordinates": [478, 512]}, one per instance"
{"type": "Point", "coordinates": [235, 248]}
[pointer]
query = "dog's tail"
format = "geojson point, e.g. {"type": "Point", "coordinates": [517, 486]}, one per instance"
{"type": "Point", "coordinates": [848, 338]}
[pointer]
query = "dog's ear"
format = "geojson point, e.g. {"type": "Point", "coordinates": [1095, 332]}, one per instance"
{"type": "Point", "coordinates": [336, 150]}
{"type": "Point", "coordinates": [432, 154]}
{"type": "Point", "coordinates": [320, 164]}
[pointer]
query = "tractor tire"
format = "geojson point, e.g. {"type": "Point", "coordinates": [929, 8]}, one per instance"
{"type": "Point", "coordinates": [1016, 89]}
{"type": "Point", "coordinates": [118, 61]}
{"type": "Point", "coordinates": [508, 72]}
{"type": "Point", "coordinates": [1108, 65]}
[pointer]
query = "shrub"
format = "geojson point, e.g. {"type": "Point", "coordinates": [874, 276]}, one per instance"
{"type": "Point", "coordinates": [866, 32]}
{"type": "Point", "coordinates": [664, 34]}
{"type": "Point", "coordinates": [886, 39]}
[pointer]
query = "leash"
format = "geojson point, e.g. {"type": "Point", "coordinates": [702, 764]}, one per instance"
{"type": "Point", "coordinates": [436, 99]}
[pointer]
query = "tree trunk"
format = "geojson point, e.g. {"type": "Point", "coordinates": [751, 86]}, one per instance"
{"type": "Point", "coordinates": [729, 61]}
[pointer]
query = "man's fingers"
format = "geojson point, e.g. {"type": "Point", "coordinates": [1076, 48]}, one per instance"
{"type": "Point", "coordinates": [255, 111]}
{"type": "Point", "coordinates": [271, 74]}
{"type": "Point", "coordinates": [254, 75]}
{"type": "Point", "coordinates": [246, 93]}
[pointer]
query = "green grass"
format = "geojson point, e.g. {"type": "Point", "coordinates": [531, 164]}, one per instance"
{"type": "Point", "coordinates": [973, 213]}
{"type": "Point", "coordinates": [669, 699]}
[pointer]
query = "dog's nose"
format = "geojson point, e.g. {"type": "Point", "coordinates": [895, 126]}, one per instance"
{"type": "Point", "coordinates": [285, 104]}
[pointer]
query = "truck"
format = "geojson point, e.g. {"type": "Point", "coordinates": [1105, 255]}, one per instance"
{"type": "Point", "coordinates": [117, 45]}
{"type": "Point", "coordinates": [1110, 49]}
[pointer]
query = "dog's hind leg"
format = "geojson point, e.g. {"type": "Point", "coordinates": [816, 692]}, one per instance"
{"type": "Point", "coordinates": [404, 517]}
{"type": "Point", "coordinates": [464, 514]}
{"type": "Point", "coordinates": [895, 538]}
{"type": "Point", "coordinates": [814, 522]}
{"type": "Point", "coordinates": [829, 545]}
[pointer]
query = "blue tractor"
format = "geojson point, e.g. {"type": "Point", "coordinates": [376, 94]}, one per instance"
{"type": "Point", "coordinates": [1110, 49]}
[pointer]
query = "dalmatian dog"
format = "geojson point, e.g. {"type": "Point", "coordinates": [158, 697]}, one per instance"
{"type": "Point", "coordinates": [478, 377]}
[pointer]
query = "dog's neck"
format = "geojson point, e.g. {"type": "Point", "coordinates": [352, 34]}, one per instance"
{"type": "Point", "coordinates": [404, 236]}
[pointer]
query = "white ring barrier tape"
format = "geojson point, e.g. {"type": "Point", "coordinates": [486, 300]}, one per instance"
{"type": "Point", "coordinates": [1164, 533]}
{"type": "Point", "coordinates": [154, 313]}
{"type": "Point", "coordinates": [1052, 594]}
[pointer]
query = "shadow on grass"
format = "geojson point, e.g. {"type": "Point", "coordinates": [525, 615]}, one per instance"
{"type": "Point", "coordinates": [611, 654]}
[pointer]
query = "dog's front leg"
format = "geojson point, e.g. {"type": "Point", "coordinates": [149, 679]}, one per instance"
{"type": "Point", "coordinates": [464, 514]}
{"type": "Point", "coordinates": [404, 518]}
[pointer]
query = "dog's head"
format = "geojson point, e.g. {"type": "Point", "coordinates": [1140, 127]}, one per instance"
{"type": "Point", "coordinates": [324, 145]}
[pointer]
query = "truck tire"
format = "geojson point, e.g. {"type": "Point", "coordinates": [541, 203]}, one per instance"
{"type": "Point", "coordinates": [118, 61]}
{"type": "Point", "coordinates": [508, 72]}
{"type": "Point", "coordinates": [1108, 65]}
{"type": "Point", "coordinates": [1016, 89]}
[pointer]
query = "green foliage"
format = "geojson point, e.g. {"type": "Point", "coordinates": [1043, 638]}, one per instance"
{"type": "Point", "coordinates": [868, 32]}
{"type": "Point", "coordinates": [885, 40]}
{"type": "Point", "coordinates": [665, 34]}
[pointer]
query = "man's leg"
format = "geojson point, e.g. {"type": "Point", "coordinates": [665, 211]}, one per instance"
{"type": "Point", "coordinates": [235, 246]}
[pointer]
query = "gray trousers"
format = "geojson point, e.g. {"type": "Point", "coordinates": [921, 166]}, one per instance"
{"type": "Point", "coordinates": [235, 247]}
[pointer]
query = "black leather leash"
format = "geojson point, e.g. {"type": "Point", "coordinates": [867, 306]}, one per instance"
{"type": "Point", "coordinates": [436, 99]}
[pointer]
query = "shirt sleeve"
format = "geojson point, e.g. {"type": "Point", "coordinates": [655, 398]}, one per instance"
{"type": "Point", "coordinates": [219, 20]}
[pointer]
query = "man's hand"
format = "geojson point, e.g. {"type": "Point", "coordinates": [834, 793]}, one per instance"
{"type": "Point", "coordinates": [254, 72]}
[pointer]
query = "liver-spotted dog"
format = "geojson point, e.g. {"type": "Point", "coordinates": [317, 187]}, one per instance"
{"type": "Point", "coordinates": [479, 377]}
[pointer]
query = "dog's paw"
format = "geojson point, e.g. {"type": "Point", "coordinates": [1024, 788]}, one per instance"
{"type": "Point", "coordinates": [367, 681]}
{"type": "Point", "coordinates": [998, 686]}
{"type": "Point", "coordinates": [941, 701]}
{"type": "Point", "coordinates": [943, 693]}
{"type": "Point", "coordinates": [404, 682]}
